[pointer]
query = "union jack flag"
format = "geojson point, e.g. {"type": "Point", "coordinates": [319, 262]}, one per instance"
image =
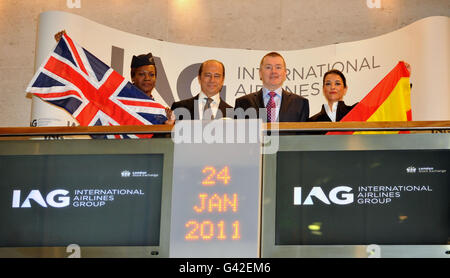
{"type": "Point", "coordinates": [95, 94]}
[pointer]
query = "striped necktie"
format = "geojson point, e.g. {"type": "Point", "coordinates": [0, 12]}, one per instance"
{"type": "Point", "coordinates": [207, 111]}
{"type": "Point", "coordinates": [271, 108]}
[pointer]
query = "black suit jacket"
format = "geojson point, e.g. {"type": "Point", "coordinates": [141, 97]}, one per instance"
{"type": "Point", "coordinates": [341, 111]}
{"type": "Point", "coordinates": [294, 108]}
{"type": "Point", "coordinates": [190, 105]}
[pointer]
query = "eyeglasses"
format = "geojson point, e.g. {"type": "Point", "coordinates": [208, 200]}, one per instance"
{"type": "Point", "coordinates": [271, 67]}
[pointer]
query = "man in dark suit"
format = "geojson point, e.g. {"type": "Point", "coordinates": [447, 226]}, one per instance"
{"type": "Point", "coordinates": [207, 105]}
{"type": "Point", "coordinates": [272, 103]}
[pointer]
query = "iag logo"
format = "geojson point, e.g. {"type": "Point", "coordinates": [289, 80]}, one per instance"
{"type": "Point", "coordinates": [339, 195]}
{"type": "Point", "coordinates": [57, 198]}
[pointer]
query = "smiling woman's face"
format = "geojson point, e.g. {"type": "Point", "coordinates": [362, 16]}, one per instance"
{"type": "Point", "coordinates": [145, 78]}
{"type": "Point", "coordinates": [333, 88]}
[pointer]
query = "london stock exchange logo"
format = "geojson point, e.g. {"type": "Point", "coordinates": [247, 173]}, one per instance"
{"type": "Point", "coordinates": [125, 174]}
{"type": "Point", "coordinates": [138, 173]}
{"type": "Point", "coordinates": [425, 170]}
{"type": "Point", "coordinates": [411, 170]}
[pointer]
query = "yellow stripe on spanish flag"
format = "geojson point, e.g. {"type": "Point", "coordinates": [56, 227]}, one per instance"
{"type": "Point", "coordinates": [394, 108]}
{"type": "Point", "coordinates": [390, 100]}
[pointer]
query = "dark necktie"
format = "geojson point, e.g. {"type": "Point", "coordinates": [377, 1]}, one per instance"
{"type": "Point", "coordinates": [207, 111]}
{"type": "Point", "coordinates": [271, 108]}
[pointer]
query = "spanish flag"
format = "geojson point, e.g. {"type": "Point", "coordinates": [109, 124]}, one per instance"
{"type": "Point", "coordinates": [390, 100]}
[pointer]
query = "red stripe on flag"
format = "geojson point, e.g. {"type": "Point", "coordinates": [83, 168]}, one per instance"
{"type": "Point", "coordinates": [375, 98]}
{"type": "Point", "coordinates": [86, 115]}
{"type": "Point", "coordinates": [75, 52]}
{"type": "Point", "coordinates": [116, 136]}
{"type": "Point", "coordinates": [409, 118]}
{"type": "Point", "coordinates": [57, 95]}
{"type": "Point", "coordinates": [409, 115]}
{"type": "Point", "coordinates": [141, 103]}
{"type": "Point", "coordinates": [98, 99]}
{"type": "Point", "coordinates": [372, 101]}
{"type": "Point", "coordinates": [116, 112]}
{"type": "Point", "coordinates": [144, 136]}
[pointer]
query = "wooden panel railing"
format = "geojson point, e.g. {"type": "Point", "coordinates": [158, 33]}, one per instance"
{"type": "Point", "coordinates": [364, 126]}
{"type": "Point", "coordinates": [303, 127]}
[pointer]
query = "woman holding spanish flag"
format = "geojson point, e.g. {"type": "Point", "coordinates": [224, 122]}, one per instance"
{"type": "Point", "coordinates": [334, 90]}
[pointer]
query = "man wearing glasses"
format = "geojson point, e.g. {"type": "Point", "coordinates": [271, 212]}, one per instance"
{"type": "Point", "coordinates": [278, 104]}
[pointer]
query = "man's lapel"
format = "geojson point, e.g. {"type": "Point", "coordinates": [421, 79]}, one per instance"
{"type": "Point", "coordinates": [194, 108]}
{"type": "Point", "coordinates": [222, 109]}
{"type": "Point", "coordinates": [284, 109]}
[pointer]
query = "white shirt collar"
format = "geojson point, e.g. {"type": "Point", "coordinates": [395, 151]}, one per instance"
{"type": "Point", "coordinates": [214, 104]}
{"type": "Point", "coordinates": [267, 91]}
{"type": "Point", "coordinates": [215, 98]}
{"type": "Point", "coordinates": [331, 114]}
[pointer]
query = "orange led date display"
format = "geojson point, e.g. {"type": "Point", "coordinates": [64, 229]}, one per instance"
{"type": "Point", "coordinates": [211, 203]}
{"type": "Point", "coordinates": [217, 203]}
{"type": "Point", "coordinates": [212, 176]}
{"type": "Point", "coordinates": [208, 230]}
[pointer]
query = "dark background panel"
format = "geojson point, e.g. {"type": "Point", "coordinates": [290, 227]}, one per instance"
{"type": "Point", "coordinates": [413, 218]}
{"type": "Point", "coordinates": [127, 220]}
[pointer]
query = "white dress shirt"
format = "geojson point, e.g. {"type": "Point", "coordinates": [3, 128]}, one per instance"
{"type": "Point", "coordinates": [202, 102]}
{"type": "Point", "coordinates": [331, 113]}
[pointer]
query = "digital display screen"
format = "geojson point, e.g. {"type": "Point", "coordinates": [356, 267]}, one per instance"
{"type": "Point", "coordinates": [215, 201]}
{"type": "Point", "coordinates": [89, 200]}
{"type": "Point", "coordinates": [212, 204]}
{"type": "Point", "coordinates": [390, 197]}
